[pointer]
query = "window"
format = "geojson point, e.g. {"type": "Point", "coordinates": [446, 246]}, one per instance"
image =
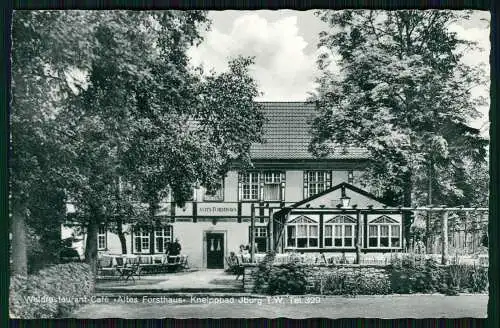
{"type": "Point", "coordinates": [217, 195]}
{"type": "Point", "coordinates": [250, 186]}
{"type": "Point", "coordinates": [272, 186]}
{"type": "Point", "coordinates": [141, 240]}
{"type": "Point", "coordinates": [339, 231]}
{"type": "Point", "coordinates": [265, 186]}
{"type": "Point", "coordinates": [163, 235]}
{"type": "Point", "coordinates": [302, 232]}
{"type": "Point", "coordinates": [316, 182]}
{"type": "Point", "coordinates": [101, 238]}
{"type": "Point", "coordinates": [260, 238]}
{"type": "Point", "coordinates": [350, 177]}
{"type": "Point", "coordinates": [384, 232]}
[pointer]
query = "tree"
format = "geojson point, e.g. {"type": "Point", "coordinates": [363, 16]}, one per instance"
{"type": "Point", "coordinates": [40, 58]}
{"type": "Point", "coordinates": [117, 130]}
{"type": "Point", "coordinates": [144, 125]}
{"type": "Point", "coordinates": [404, 95]}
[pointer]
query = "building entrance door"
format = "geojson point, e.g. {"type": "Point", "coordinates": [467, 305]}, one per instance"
{"type": "Point", "coordinates": [215, 250]}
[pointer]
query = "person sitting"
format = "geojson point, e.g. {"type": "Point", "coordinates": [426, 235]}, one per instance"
{"type": "Point", "coordinates": [233, 259]}
{"type": "Point", "coordinates": [243, 250]}
{"type": "Point", "coordinates": [234, 265]}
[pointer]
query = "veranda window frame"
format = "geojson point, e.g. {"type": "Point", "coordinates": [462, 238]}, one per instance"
{"type": "Point", "coordinates": [308, 236]}
{"type": "Point", "coordinates": [392, 226]}
{"type": "Point", "coordinates": [330, 223]}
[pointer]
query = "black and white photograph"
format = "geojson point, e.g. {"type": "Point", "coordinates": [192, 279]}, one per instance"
{"type": "Point", "coordinates": [249, 164]}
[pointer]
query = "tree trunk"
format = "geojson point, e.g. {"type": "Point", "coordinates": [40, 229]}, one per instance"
{"type": "Point", "coordinates": [153, 205]}
{"type": "Point", "coordinates": [429, 213]}
{"type": "Point", "coordinates": [91, 243]}
{"type": "Point", "coordinates": [19, 247]}
{"type": "Point", "coordinates": [121, 236]}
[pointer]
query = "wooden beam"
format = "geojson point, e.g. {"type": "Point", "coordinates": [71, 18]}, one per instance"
{"type": "Point", "coordinates": [444, 237]}
{"type": "Point", "coordinates": [252, 234]}
{"type": "Point", "coordinates": [358, 237]}
{"type": "Point", "coordinates": [271, 230]}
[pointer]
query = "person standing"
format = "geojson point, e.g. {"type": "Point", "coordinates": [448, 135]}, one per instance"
{"type": "Point", "coordinates": [175, 248]}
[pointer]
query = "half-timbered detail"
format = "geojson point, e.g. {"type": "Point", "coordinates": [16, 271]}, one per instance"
{"type": "Point", "coordinates": [298, 200]}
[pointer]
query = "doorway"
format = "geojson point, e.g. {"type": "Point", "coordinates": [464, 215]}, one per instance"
{"type": "Point", "coordinates": [215, 250]}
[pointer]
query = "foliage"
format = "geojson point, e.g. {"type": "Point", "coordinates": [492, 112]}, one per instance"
{"type": "Point", "coordinates": [404, 94]}
{"type": "Point", "coordinates": [40, 58]}
{"type": "Point", "coordinates": [408, 276]}
{"type": "Point", "coordinates": [112, 130]}
{"type": "Point", "coordinates": [478, 280]}
{"type": "Point", "coordinates": [287, 279]}
{"type": "Point", "coordinates": [66, 284]}
{"type": "Point", "coordinates": [426, 276]}
{"type": "Point", "coordinates": [355, 282]}
{"type": "Point", "coordinates": [279, 279]}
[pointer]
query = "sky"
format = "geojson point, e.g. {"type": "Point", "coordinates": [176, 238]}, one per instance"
{"type": "Point", "coordinates": [284, 43]}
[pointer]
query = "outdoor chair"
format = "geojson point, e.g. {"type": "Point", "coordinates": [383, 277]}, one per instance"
{"type": "Point", "coordinates": [234, 266]}
{"type": "Point", "coordinates": [129, 271]}
{"type": "Point", "coordinates": [146, 263]}
{"type": "Point", "coordinates": [105, 266]}
{"type": "Point", "coordinates": [120, 262]}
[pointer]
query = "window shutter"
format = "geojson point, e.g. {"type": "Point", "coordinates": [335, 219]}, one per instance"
{"type": "Point", "coordinates": [261, 185]}
{"type": "Point", "coordinates": [282, 186]}
{"type": "Point", "coordinates": [328, 183]}
{"type": "Point", "coordinates": [240, 188]}
{"type": "Point", "coordinates": [305, 173]}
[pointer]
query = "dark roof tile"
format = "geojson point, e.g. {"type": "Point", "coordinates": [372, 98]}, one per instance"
{"type": "Point", "coordinates": [287, 136]}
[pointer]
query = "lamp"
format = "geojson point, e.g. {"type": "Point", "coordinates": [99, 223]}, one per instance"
{"type": "Point", "coordinates": [345, 200]}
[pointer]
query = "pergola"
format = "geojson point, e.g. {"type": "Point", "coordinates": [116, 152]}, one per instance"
{"type": "Point", "coordinates": [277, 221]}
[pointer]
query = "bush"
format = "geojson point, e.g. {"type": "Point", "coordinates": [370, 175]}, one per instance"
{"type": "Point", "coordinates": [283, 279]}
{"type": "Point", "coordinates": [51, 293]}
{"type": "Point", "coordinates": [427, 277]}
{"type": "Point", "coordinates": [478, 282]}
{"type": "Point", "coordinates": [347, 282]}
{"type": "Point", "coordinates": [261, 275]}
{"type": "Point", "coordinates": [287, 279]}
{"type": "Point", "coordinates": [407, 276]}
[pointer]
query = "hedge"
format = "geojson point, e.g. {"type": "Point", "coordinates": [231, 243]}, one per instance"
{"type": "Point", "coordinates": [401, 277]}
{"type": "Point", "coordinates": [52, 292]}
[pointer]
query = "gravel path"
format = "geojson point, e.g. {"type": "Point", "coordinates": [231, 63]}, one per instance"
{"type": "Point", "coordinates": [390, 306]}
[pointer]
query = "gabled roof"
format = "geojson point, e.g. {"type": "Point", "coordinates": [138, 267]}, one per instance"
{"type": "Point", "coordinates": [345, 185]}
{"type": "Point", "coordinates": [302, 219]}
{"type": "Point", "coordinates": [287, 136]}
{"type": "Point", "coordinates": [339, 186]}
{"type": "Point", "coordinates": [342, 218]}
{"type": "Point", "coordinates": [384, 219]}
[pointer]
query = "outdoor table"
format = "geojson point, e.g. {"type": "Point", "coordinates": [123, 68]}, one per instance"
{"type": "Point", "coordinates": [128, 272]}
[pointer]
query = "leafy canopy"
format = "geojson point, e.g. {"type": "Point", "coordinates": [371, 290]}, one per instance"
{"type": "Point", "coordinates": [403, 93]}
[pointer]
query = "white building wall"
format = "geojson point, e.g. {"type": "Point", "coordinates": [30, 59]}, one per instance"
{"type": "Point", "coordinates": [191, 238]}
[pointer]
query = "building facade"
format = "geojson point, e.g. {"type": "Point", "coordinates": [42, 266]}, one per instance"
{"type": "Point", "coordinates": [286, 183]}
